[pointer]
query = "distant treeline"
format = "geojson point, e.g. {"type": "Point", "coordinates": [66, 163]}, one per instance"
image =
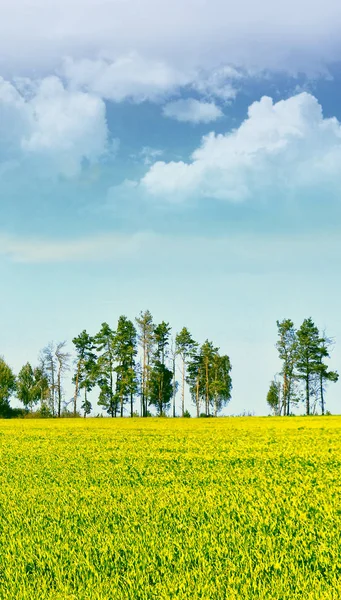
{"type": "Point", "coordinates": [133, 367]}
{"type": "Point", "coordinates": [139, 369]}
{"type": "Point", "coordinates": [304, 373]}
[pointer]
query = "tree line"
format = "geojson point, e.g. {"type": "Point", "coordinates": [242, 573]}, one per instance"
{"type": "Point", "coordinates": [133, 367]}
{"type": "Point", "coordinates": [304, 374]}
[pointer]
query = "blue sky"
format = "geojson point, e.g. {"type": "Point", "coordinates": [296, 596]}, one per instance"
{"type": "Point", "coordinates": [184, 158]}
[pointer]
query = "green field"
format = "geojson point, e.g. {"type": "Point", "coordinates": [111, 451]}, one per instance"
{"type": "Point", "coordinates": [246, 508]}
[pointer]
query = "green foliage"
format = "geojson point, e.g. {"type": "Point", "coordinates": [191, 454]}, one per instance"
{"type": "Point", "coordinates": [125, 350]}
{"type": "Point", "coordinates": [7, 387]}
{"type": "Point", "coordinates": [185, 348]}
{"type": "Point", "coordinates": [161, 377]}
{"type": "Point", "coordinates": [308, 357]}
{"type": "Point", "coordinates": [209, 379]}
{"type": "Point", "coordinates": [86, 373]}
{"type": "Point", "coordinates": [145, 328]}
{"type": "Point", "coordinates": [105, 343]}
{"type": "Point", "coordinates": [32, 386]}
{"type": "Point", "coordinates": [273, 397]}
{"type": "Point", "coordinates": [287, 346]}
{"type": "Point", "coordinates": [303, 353]}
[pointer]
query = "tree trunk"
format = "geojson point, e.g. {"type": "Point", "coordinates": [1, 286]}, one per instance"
{"type": "Point", "coordinates": [307, 395]}
{"type": "Point", "coordinates": [183, 387]}
{"type": "Point", "coordinates": [174, 391]}
{"type": "Point", "coordinates": [207, 392]}
{"type": "Point", "coordinates": [59, 393]}
{"type": "Point", "coordinates": [321, 393]}
{"type": "Point", "coordinates": [144, 379]}
{"type": "Point", "coordinates": [197, 398]}
{"type": "Point", "coordinates": [131, 405]}
{"type": "Point", "coordinates": [76, 392]}
{"type": "Point", "coordinates": [285, 392]}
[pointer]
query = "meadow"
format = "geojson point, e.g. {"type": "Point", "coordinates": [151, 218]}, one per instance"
{"type": "Point", "coordinates": [227, 508]}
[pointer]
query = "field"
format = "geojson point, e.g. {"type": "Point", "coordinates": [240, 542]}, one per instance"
{"type": "Point", "coordinates": [98, 509]}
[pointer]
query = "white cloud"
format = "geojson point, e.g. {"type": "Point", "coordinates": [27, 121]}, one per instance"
{"type": "Point", "coordinates": [43, 121]}
{"type": "Point", "coordinates": [128, 77]}
{"type": "Point", "coordinates": [281, 148]}
{"type": "Point", "coordinates": [218, 83]}
{"type": "Point", "coordinates": [134, 77]}
{"type": "Point", "coordinates": [192, 111]}
{"type": "Point", "coordinates": [294, 34]}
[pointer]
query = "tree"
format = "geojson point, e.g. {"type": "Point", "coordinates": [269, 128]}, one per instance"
{"type": "Point", "coordinates": [287, 345]}
{"type": "Point", "coordinates": [49, 367]}
{"type": "Point", "coordinates": [105, 343]}
{"type": "Point", "coordinates": [308, 361]}
{"type": "Point", "coordinates": [194, 378]}
{"type": "Point", "coordinates": [62, 361]}
{"type": "Point", "coordinates": [221, 384]}
{"type": "Point", "coordinates": [208, 356]}
{"type": "Point", "coordinates": [41, 384]}
{"type": "Point", "coordinates": [7, 387]}
{"type": "Point", "coordinates": [161, 378]}
{"type": "Point", "coordinates": [185, 346]}
{"type": "Point", "coordinates": [175, 384]}
{"type": "Point", "coordinates": [273, 397]}
{"type": "Point", "coordinates": [32, 386]}
{"type": "Point", "coordinates": [84, 377]}
{"type": "Point", "coordinates": [324, 376]}
{"type": "Point", "coordinates": [125, 352]}
{"type": "Point", "coordinates": [146, 340]}
{"type": "Point", "coordinates": [209, 378]}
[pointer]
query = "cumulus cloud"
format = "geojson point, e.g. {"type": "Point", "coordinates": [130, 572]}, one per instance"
{"type": "Point", "coordinates": [280, 149]}
{"type": "Point", "coordinates": [44, 122]}
{"type": "Point", "coordinates": [191, 110]}
{"type": "Point", "coordinates": [264, 34]}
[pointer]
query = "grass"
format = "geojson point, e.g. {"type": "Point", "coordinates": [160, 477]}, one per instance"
{"type": "Point", "coordinates": [216, 509]}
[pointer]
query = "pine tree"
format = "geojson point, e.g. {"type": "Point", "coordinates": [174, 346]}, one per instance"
{"type": "Point", "coordinates": [308, 358]}
{"type": "Point", "coordinates": [125, 353]}
{"type": "Point", "coordinates": [194, 378]}
{"type": "Point", "coordinates": [85, 375]}
{"type": "Point", "coordinates": [105, 344]}
{"type": "Point", "coordinates": [323, 375]}
{"type": "Point", "coordinates": [185, 347]}
{"type": "Point", "coordinates": [161, 388]}
{"type": "Point", "coordinates": [146, 340]}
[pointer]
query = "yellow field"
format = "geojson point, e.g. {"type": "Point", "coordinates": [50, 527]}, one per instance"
{"type": "Point", "coordinates": [246, 508]}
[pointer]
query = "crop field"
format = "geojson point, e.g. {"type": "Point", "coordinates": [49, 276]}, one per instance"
{"type": "Point", "coordinates": [238, 508]}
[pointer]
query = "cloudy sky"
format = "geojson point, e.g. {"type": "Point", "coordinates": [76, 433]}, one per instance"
{"type": "Point", "coordinates": [180, 156]}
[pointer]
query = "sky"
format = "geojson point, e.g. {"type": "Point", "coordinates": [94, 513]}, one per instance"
{"type": "Point", "coordinates": [182, 157]}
